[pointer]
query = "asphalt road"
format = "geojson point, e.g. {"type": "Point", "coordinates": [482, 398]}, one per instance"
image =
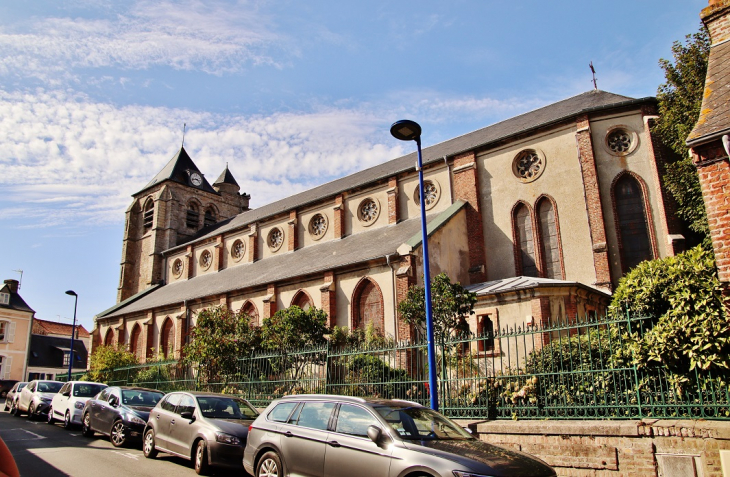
{"type": "Point", "coordinates": [41, 450]}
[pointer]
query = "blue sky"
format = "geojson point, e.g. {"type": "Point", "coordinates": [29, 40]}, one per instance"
{"type": "Point", "coordinates": [94, 94]}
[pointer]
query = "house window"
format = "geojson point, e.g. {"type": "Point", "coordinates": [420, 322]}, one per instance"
{"type": "Point", "coordinates": [2, 367]}
{"type": "Point", "coordinates": [4, 298]}
{"type": "Point", "coordinates": [632, 222]}
{"type": "Point", "coordinates": [525, 241]}
{"type": "Point", "coordinates": [66, 358]}
{"type": "Point", "coordinates": [209, 218]}
{"type": "Point", "coordinates": [549, 242]}
{"type": "Point", "coordinates": [193, 216]}
{"type": "Point", "coordinates": [485, 332]}
{"type": "Point", "coordinates": [3, 332]}
{"type": "Point", "coordinates": [149, 214]}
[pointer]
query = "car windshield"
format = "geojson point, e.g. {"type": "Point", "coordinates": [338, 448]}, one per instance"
{"type": "Point", "coordinates": [49, 387]}
{"type": "Point", "coordinates": [217, 407]}
{"type": "Point", "coordinates": [138, 397]}
{"type": "Point", "coordinates": [21, 386]}
{"type": "Point", "coordinates": [87, 390]}
{"type": "Point", "coordinates": [420, 423]}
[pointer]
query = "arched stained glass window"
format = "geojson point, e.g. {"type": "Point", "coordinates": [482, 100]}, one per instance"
{"type": "Point", "coordinates": [525, 240]}
{"type": "Point", "coordinates": [550, 245]}
{"type": "Point", "coordinates": [632, 222]}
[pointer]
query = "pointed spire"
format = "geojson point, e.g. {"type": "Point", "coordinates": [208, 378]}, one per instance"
{"type": "Point", "coordinates": [226, 178]}
{"type": "Point", "coordinates": [179, 169]}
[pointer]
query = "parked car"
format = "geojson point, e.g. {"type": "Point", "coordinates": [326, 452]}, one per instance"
{"type": "Point", "coordinates": [36, 397]}
{"type": "Point", "coordinates": [68, 404]}
{"type": "Point", "coordinates": [209, 429]}
{"type": "Point", "coordinates": [13, 394]}
{"type": "Point", "coordinates": [119, 412]}
{"type": "Point", "coordinates": [338, 435]}
{"type": "Point", "coordinates": [5, 386]}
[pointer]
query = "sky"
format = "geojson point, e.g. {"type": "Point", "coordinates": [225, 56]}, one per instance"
{"type": "Point", "coordinates": [291, 94]}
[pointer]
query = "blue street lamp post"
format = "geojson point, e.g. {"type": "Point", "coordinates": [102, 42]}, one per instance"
{"type": "Point", "coordinates": [73, 332]}
{"type": "Point", "coordinates": [407, 130]}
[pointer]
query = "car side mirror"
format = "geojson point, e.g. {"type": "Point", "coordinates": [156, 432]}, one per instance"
{"type": "Point", "coordinates": [66, 393]}
{"type": "Point", "coordinates": [187, 415]}
{"type": "Point", "coordinates": [113, 401]}
{"type": "Point", "coordinates": [375, 433]}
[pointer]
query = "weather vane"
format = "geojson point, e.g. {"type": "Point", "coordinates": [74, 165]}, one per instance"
{"type": "Point", "coordinates": [593, 70]}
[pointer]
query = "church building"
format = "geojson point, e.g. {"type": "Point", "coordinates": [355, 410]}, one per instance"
{"type": "Point", "coordinates": [540, 215]}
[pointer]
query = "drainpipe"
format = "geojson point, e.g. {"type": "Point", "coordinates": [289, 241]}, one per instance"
{"type": "Point", "coordinates": [395, 297]}
{"type": "Point", "coordinates": [451, 179]}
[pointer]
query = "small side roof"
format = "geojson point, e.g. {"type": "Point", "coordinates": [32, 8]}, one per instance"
{"type": "Point", "coordinates": [226, 178]}
{"type": "Point", "coordinates": [178, 169]}
{"type": "Point", "coordinates": [16, 302]}
{"type": "Point", "coordinates": [714, 120]}
{"type": "Point", "coordinates": [506, 285]}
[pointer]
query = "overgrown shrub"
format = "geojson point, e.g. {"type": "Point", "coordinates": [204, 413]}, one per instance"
{"type": "Point", "coordinates": [105, 358]}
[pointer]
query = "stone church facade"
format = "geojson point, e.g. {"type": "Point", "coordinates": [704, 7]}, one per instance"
{"type": "Point", "coordinates": [540, 215]}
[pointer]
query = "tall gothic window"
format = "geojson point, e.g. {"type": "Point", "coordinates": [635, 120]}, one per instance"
{"type": "Point", "coordinates": [250, 310]}
{"type": "Point", "coordinates": [632, 222]}
{"type": "Point", "coordinates": [525, 241]}
{"type": "Point", "coordinates": [192, 218]}
{"type": "Point", "coordinates": [149, 214]}
{"type": "Point", "coordinates": [302, 300]}
{"type": "Point", "coordinates": [549, 243]}
{"type": "Point", "coordinates": [368, 306]}
{"type": "Point", "coordinates": [167, 339]}
{"type": "Point", "coordinates": [135, 342]}
{"type": "Point", "coordinates": [109, 337]}
{"type": "Point", "coordinates": [209, 218]}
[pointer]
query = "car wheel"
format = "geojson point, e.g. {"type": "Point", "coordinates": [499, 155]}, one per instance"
{"type": "Point", "coordinates": [67, 420]}
{"type": "Point", "coordinates": [31, 412]}
{"type": "Point", "coordinates": [148, 446]}
{"type": "Point", "coordinates": [118, 435]}
{"type": "Point", "coordinates": [3, 394]}
{"type": "Point", "coordinates": [270, 466]}
{"type": "Point", "coordinates": [50, 416]}
{"type": "Point", "coordinates": [14, 409]}
{"type": "Point", "coordinates": [201, 458]}
{"type": "Point", "coordinates": [86, 429]}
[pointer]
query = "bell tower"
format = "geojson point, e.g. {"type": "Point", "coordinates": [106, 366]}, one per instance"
{"type": "Point", "coordinates": [170, 210]}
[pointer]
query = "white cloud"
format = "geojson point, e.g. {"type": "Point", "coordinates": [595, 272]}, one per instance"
{"type": "Point", "coordinates": [206, 36]}
{"type": "Point", "coordinates": [66, 160]}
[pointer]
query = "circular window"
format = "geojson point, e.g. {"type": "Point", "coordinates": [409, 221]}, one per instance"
{"type": "Point", "coordinates": [528, 165]}
{"type": "Point", "coordinates": [318, 226]}
{"type": "Point", "coordinates": [621, 141]}
{"type": "Point", "coordinates": [431, 191]}
{"type": "Point", "coordinates": [177, 268]}
{"type": "Point", "coordinates": [206, 259]}
{"type": "Point", "coordinates": [368, 211]}
{"type": "Point", "coordinates": [275, 239]}
{"type": "Point", "coordinates": [238, 250]}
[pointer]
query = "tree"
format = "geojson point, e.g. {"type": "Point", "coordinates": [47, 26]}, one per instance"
{"type": "Point", "coordinates": [680, 101]}
{"type": "Point", "coordinates": [108, 357]}
{"type": "Point", "coordinates": [294, 328]}
{"type": "Point", "coordinates": [450, 305]}
{"type": "Point", "coordinates": [219, 338]}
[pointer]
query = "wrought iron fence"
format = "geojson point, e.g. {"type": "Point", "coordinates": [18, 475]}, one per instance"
{"type": "Point", "coordinates": [572, 369]}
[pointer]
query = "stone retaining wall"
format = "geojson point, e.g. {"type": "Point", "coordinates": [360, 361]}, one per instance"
{"type": "Point", "coordinates": [650, 447]}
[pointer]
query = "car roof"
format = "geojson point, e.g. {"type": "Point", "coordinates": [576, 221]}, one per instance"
{"type": "Point", "coordinates": [207, 394]}
{"type": "Point", "coordinates": [137, 388]}
{"type": "Point", "coordinates": [354, 399]}
{"type": "Point", "coordinates": [87, 382]}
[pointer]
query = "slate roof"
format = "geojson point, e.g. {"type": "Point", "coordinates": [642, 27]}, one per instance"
{"type": "Point", "coordinates": [16, 301]}
{"type": "Point", "coordinates": [47, 352]}
{"type": "Point", "coordinates": [177, 170]}
{"type": "Point", "coordinates": [43, 327]}
{"type": "Point", "coordinates": [226, 178]}
{"type": "Point", "coordinates": [714, 117]}
{"type": "Point", "coordinates": [357, 248]}
{"type": "Point", "coordinates": [512, 284]}
{"type": "Point", "coordinates": [590, 101]}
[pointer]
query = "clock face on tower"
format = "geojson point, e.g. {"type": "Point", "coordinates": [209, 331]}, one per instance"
{"type": "Point", "coordinates": [196, 179]}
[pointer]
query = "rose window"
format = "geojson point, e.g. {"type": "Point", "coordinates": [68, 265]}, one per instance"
{"type": "Point", "coordinates": [529, 165]}
{"type": "Point", "coordinates": [318, 226]}
{"type": "Point", "coordinates": [619, 141]}
{"type": "Point", "coordinates": [276, 239]}
{"type": "Point", "coordinates": [430, 192]}
{"type": "Point", "coordinates": [368, 211]}
{"type": "Point", "coordinates": [238, 250]}
{"type": "Point", "coordinates": [177, 267]}
{"type": "Point", "coordinates": [206, 259]}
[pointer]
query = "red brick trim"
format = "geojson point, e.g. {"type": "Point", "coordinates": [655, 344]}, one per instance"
{"type": "Point", "coordinates": [403, 281]}
{"type": "Point", "coordinates": [249, 308]}
{"type": "Point", "coordinates": [339, 217]}
{"type": "Point", "coordinates": [540, 241]}
{"type": "Point", "coordinates": [136, 331]}
{"type": "Point", "coordinates": [329, 303]}
{"type": "Point", "coordinates": [541, 315]}
{"type": "Point", "coordinates": [270, 304]}
{"type": "Point", "coordinates": [466, 188]}
{"type": "Point", "coordinates": [161, 339]}
{"type": "Point", "coordinates": [301, 295]}
{"type": "Point", "coordinates": [355, 302]}
{"type": "Point", "coordinates": [516, 250]}
{"type": "Point", "coordinates": [647, 215]}
{"type": "Point", "coordinates": [592, 194]}
{"type": "Point", "coordinates": [393, 213]}
{"type": "Point", "coordinates": [293, 235]}
{"type": "Point", "coordinates": [218, 252]}
{"type": "Point", "coordinates": [253, 245]}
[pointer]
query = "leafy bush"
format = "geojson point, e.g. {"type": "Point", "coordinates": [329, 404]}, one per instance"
{"type": "Point", "coordinates": [105, 358]}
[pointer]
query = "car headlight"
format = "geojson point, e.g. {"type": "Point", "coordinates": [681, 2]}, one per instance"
{"type": "Point", "coordinates": [79, 405]}
{"type": "Point", "coordinates": [227, 439]}
{"type": "Point", "coordinates": [135, 420]}
{"type": "Point", "coordinates": [462, 473]}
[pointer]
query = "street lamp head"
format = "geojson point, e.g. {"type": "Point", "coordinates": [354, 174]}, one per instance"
{"type": "Point", "coordinates": [71, 292]}
{"type": "Point", "coordinates": [406, 130]}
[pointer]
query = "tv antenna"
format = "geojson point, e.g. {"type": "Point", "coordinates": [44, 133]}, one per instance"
{"type": "Point", "coordinates": [21, 277]}
{"type": "Point", "coordinates": [593, 70]}
{"type": "Point", "coordinates": [183, 141]}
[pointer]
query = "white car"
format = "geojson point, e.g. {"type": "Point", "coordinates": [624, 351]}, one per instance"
{"type": "Point", "coordinates": [68, 405]}
{"type": "Point", "coordinates": [36, 397]}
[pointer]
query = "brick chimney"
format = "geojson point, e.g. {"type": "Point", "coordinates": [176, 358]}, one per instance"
{"type": "Point", "coordinates": [716, 19]}
{"type": "Point", "coordinates": [12, 285]}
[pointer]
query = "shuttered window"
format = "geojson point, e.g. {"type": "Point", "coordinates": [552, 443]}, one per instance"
{"type": "Point", "coordinates": [549, 240]}
{"type": "Point", "coordinates": [633, 229]}
{"type": "Point", "coordinates": [525, 241]}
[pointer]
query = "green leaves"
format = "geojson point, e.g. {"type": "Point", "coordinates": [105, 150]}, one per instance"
{"type": "Point", "coordinates": [294, 328]}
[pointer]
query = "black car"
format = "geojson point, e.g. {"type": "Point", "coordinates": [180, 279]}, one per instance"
{"type": "Point", "coordinates": [119, 412]}
{"type": "Point", "coordinates": [5, 386]}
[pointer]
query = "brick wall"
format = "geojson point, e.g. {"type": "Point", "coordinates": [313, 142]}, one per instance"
{"type": "Point", "coordinates": [717, 20]}
{"type": "Point", "coordinates": [613, 448]}
{"type": "Point", "coordinates": [466, 188]}
{"type": "Point", "coordinates": [393, 214]}
{"type": "Point", "coordinates": [329, 304]}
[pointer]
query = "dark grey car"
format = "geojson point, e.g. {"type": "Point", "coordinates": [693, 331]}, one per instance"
{"type": "Point", "coordinates": [319, 435]}
{"type": "Point", "coordinates": [207, 428]}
